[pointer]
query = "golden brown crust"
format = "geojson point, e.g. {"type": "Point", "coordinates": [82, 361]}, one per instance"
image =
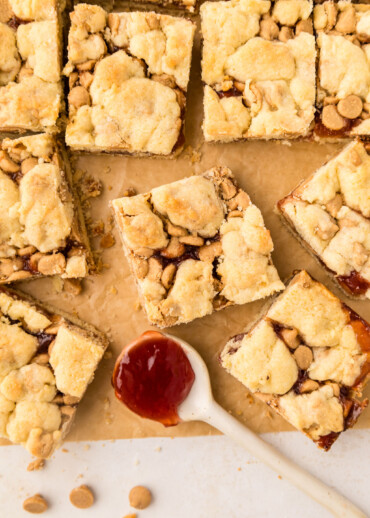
{"type": "Point", "coordinates": [307, 357]}
{"type": "Point", "coordinates": [196, 246]}
{"type": "Point", "coordinates": [268, 97]}
{"type": "Point", "coordinates": [42, 228]}
{"type": "Point", "coordinates": [137, 61]}
{"type": "Point", "coordinates": [329, 213]}
{"type": "Point", "coordinates": [31, 97]}
{"type": "Point", "coordinates": [41, 385]}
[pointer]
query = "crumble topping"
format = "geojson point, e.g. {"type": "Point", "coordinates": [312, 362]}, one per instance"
{"type": "Point", "coordinates": [262, 362]}
{"type": "Point", "coordinates": [344, 72]}
{"type": "Point", "coordinates": [74, 359]}
{"type": "Point", "coordinates": [41, 232]}
{"type": "Point", "coordinates": [307, 357]}
{"type": "Point", "coordinates": [46, 364]}
{"type": "Point", "coordinates": [30, 67]}
{"type": "Point", "coordinates": [196, 245]}
{"type": "Point", "coordinates": [259, 76]}
{"type": "Point", "coordinates": [139, 62]}
{"type": "Point", "coordinates": [331, 211]}
{"type": "Point", "coordinates": [317, 413]}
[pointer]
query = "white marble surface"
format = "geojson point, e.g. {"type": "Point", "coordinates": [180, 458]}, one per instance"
{"type": "Point", "coordinates": [203, 477]}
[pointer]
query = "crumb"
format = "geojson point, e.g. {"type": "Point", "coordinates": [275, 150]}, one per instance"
{"type": "Point", "coordinates": [35, 504]}
{"type": "Point", "coordinates": [129, 192]}
{"type": "Point", "coordinates": [250, 398]}
{"type": "Point", "coordinates": [239, 412]}
{"type": "Point", "coordinates": [106, 403]}
{"type": "Point", "coordinates": [108, 418]}
{"type": "Point", "coordinates": [158, 448]}
{"type": "Point", "coordinates": [72, 286]}
{"type": "Point", "coordinates": [107, 169]}
{"type": "Point", "coordinates": [239, 469]}
{"type": "Point", "coordinates": [134, 515]}
{"type": "Point", "coordinates": [140, 497]}
{"type": "Point", "coordinates": [280, 477]}
{"type": "Point", "coordinates": [113, 290]}
{"type": "Point", "coordinates": [89, 187]}
{"type": "Point", "coordinates": [87, 447]}
{"type": "Point", "coordinates": [96, 228]}
{"type": "Point", "coordinates": [64, 450]}
{"type": "Point", "coordinates": [35, 465]}
{"type": "Point", "coordinates": [110, 187]}
{"type": "Point", "coordinates": [82, 497]}
{"type": "Point", "coordinates": [107, 241]}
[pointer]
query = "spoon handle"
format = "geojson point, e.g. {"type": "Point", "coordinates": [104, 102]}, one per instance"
{"type": "Point", "coordinates": [312, 486]}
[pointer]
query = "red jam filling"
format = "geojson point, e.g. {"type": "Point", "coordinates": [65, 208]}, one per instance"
{"type": "Point", "coordinates": [152, 377]}
{"type": "Point", "coordinates": [354, 283]}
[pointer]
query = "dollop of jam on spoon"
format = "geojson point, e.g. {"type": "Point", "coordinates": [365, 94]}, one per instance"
{"type": "Point", "coordinates": [152, 377]}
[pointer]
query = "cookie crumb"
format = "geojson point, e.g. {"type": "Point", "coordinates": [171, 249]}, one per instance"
{"type": "Point", "coordinates": [35, 465]}
{"type": "Point", "coordinates": [87, 447]}
{"type": "Point", "coordinates": [107, 241]}
{"type": "Point", "coordinates": [81, 497]}
{"type": "Point", "coordinates": [129, 192]}
{"type": "Point", "coordinates": [130, 515]}
{"type": "Point", "coordinates": [140, 497]}
{"type": "Point", "coordinates": [35, 504]}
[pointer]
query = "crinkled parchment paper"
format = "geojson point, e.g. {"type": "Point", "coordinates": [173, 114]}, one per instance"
{"type": "Point", "coordinates": [267, 171]}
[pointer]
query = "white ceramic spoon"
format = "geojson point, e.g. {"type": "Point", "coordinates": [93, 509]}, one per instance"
{"type": "Point", "coordinates": [200, 406]}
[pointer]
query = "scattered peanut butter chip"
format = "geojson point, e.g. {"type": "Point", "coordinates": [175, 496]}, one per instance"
{"type": "Point", "coordinates": [140, 497]}
{"type": "Point", "coordinates": [332, 119]}
{"type": "Point", "coordinates": [35, 504]}
{"type": "Point", "coordinates": [350, 107]}
{"type": "Point", "coordinates": [81, 497]}
{"type": "Point", "coordinates": [134, 515]}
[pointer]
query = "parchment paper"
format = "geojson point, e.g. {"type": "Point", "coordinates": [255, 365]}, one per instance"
{"type": "Point", "coordinates": [267, 171]}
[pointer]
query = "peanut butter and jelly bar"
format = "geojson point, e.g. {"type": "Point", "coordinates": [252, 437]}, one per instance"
{"type": "Point", "coordinates": [128, 75]}
{"type": "Point", "coordinates": [330, 214]}
{"type": "Point", "coordinates": [195, 246]}
{"type": "Point", "coordinates": [343, 96]}
{"type": "Point", "coordinates": [42, 230]}
{"type": "Point", "coordinates": [308, 358]}
{"type": "Point", "coordinates": [258, 68]}
{"type": "Point", "coordinates": [30, 65]}
{"type": "Point", "coordinates": [47, 360]}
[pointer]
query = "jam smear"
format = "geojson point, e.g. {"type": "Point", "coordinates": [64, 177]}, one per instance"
{"type": "Point", "coordinates": [326, 441]}
{"type": "Point", "coordinates": [233, 92]}
{"type": "Point", "coordinates": [354, 283]}
{"type": "Point", "coordinates": [152, 377]}
{"type": "Point", "coordinates": [302, 377]}
{"type": "Point", "coordinates": [15, 22]}
{"type": "Point", "coordinates": [44, 340]}
{"type": "Point", "coordinates": [322, 131]}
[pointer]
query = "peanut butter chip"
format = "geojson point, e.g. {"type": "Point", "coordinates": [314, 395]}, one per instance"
{"type": "Point", "coordinates": [35, 504]}
{"type": "Point", "coordinates": [303, 356]}
{"type": "Point", "coordinates": [350, 107]}
{"type": "Point", "coordinates": [140, 497]}
{"type": "Point", "coordinates": [331, 118]}
{"type": "Point", "coordinates": [81, 497]}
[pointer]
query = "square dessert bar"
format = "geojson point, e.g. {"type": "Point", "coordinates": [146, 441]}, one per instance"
{"type": "Point", "coordinates": [30, 65]}
{"type": "Point", "coordinates": [128, 76]}
{"type": "Point", "coordinates": [343, 90]}
{"type": "Point", "coordinates": [47, 360]}
{"type": "Point", "coordinates": [195, 246]}
{"type": "Point", "coordinates": [258, 68]}
{"type": "Point", "coordinates": [42, 231]}
{"type": "Point", "coordinates": [329, 213]}
{"type": "Point", "coordinates": [308, 358]}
